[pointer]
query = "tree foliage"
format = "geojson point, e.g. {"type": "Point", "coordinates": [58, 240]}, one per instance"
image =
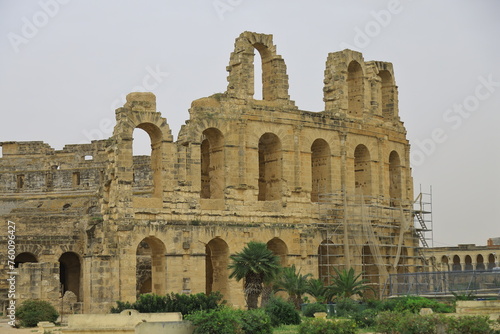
{"type": "Point", "coordinates": [256, 264]}
{"type": "Point", "coordinates": [346, 284]}
{"type": "Point", "coordinates": [294, 283]}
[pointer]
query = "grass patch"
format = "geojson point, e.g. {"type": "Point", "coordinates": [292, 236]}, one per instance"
{"type": "Point", "coordinates": [286, 329]}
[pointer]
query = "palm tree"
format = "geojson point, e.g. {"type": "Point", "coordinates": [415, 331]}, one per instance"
{"type": "Point", "coordinates": [294, 283]}
{"type": "Point", "coordinates": [257, 265]}
{"type": "Point", "coordinates": [346, 284]}
{"type": "Point", "coordinates": [317, 289]}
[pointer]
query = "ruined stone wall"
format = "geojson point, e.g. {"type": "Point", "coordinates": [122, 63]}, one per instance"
{"type": "Point", "coordinates": [322, 189]}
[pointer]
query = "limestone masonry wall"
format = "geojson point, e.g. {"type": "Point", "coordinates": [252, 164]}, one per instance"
{"type": "Point", "coordinates": [323, 189]}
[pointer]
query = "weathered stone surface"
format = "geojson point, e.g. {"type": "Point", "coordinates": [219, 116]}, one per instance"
{"type": "Point", "coordinates": [322, 189]}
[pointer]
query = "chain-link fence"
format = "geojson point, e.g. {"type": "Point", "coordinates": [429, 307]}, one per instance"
{"type": "Point", "coordinates": [476, 283]}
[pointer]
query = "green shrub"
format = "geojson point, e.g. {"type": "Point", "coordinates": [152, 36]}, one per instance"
{"type": "Point", "coordinates": [186, 304]}
{"type": "Point", "coordinates": [256, 321]}
{"type": "Point", "coordinates": [220, 321]}
{"type": "Point", "coordinates": [413, 323]}
{"type": "Point", "coordinates": [282, 312]}
{"type": "Point", "coordinates": [414, 304]}
{"type": "Point", "coordinates": [31, 312]}
{"type": "Point", "coordinates": [365, 318]}
{"type": "Point", "coordinates": [470, 325]}
{"type": "Point", "coordinates": [321, 326]}
{"type": "Point", "coordinates": [388, 322]}
{"type": "Point", "coordinates": [310, 309]}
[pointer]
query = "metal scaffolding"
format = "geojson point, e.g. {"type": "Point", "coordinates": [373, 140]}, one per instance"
{"type": "Point", "coordinates": [374, 236]}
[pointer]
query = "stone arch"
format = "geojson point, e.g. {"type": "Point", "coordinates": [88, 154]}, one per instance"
{"type": "Point", "coordinates": [395, 185]}
{"type": "Point", "coordinates": [70, 273]}
{"type": "Point", "coordinates": [468, 263]}
{"type": "Point", "coordinates": [491, 261]}
{"type": "Point", "coordinates": [150, 266]}
{"type": "Point", "coordinates": [445, 263]}
{"type": "Point", "coordinates": [24, 257]}
{"type": "Point", "coordinates": [139, 112]}
{"type": "Point", "coordinates": [355, 89]}
{"type": "Point", "coordinates": [387, 94]}
{"type": "Point", "coordinates": [280, 249]}
{"type": "Point", "coordinates": [362, 171]}
{"type": "Point", "coordinates": [329, 255]}
{"type": "Point", "coordinates": [321, 180]}
{"type": "Point", "coordinates": [212, 164]}
{"type": "Point", "coordinates": [457, 266]}
{"type": "Point", "coordinates": [216, 273]}
{"type": "Point", "coordinates": [270, 167]}
{"type": "Point", "coordinates": [480, 262]}
{"type": "Point", "coordinates": [155, 136]}
{"type": "Point", "coordinates": [241, 68]}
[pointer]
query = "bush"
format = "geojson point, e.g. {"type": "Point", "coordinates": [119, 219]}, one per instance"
{"type": "Point", "coordinates": [228, 320]}
{"type": "Point", "coordinates": [31, 312]}
{"type": "Point", "coordinates": [282, 312]}
{"type": "Point", "coordinates": [220, 321]}
{"type": "Point", "coordinates": [418, 324]}
{"type": "Point", "coordinates": [365, 318]}
{"type": "Point", "coordinates": [256, 321]}
{"type": "Point", "coordinates": [310, 309]}
{"type": "Point", "coordinates": [388, 322]}
{"type": "Point", "coordinates": [470, 325]}
{"type": "Point", "coordinates": [414, 304]}
{"type": "Point", "coordinates": [321, 326]}
{"type": "Point", "coordinates": [186, 304]}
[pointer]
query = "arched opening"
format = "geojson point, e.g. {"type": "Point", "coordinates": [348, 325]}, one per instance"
{"type": "Point", "coordinates": [216, 273]}
{"type": "Point", "coordinates": [480, 263]}
{"type": "Point", "coordinates": [24, 258]}
{"type": "Point", "coordinates": [150, 266]}
{"type": "Point", "coordinates": [320, 170]}
{"type": "Point", "coordinates": [362, 172]}
{"type": "Point", "coordinates": [70, 273]}
{"type": "Point", "coordinates": [468, 263]}
{"type": "Point", "coordinates": [457, 266]}
{"type": "Point", "coordinates": [491, 261]}
{"type": "Point", "coordinates": [355, 89]}
{"type": "Point", "coordinates": [270, 167]}
{"type": "Point", "coordinates": [444, 263]}
{"type": "Point", "coordinates": [147, 162]}
{"type": "Point", "coordinates": [370, 269]}
{"type": "Point", "coordinates": [387, 94]}
{"type": "Point", "coordinates": [328, 258]}
{"type": "Point", "coordinates": [258, 79]}
{"type": "Point", "coordinates": [212, 164]}
{"type": "Point", "coordinates": [279, 248]}
{"type": "Point", "coordinates": [395, 179]}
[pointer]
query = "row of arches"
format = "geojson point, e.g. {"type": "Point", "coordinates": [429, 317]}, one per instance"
{"type": "Point", "coordinates": [468, 262]}
{"type": "Point", "coordinates": [70, 270]}
{"type": "Point", "coordinates": [270, 160]}
{"type": "Point", "coordinates": [383, 91]}
{"type": "Point", "coordinates": [151, 264]}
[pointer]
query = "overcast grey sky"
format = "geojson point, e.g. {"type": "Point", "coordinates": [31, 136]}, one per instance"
{"type": "Point", "coordinates": [67, 64]}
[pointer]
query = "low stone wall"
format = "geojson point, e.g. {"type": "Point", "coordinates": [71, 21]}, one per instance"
{"type": "Point", "coordinates": [177, 327]}
{"type": "Point", "coordinates": [125, 322]}
{"type": "Point", "coordinates": [479, 307]}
